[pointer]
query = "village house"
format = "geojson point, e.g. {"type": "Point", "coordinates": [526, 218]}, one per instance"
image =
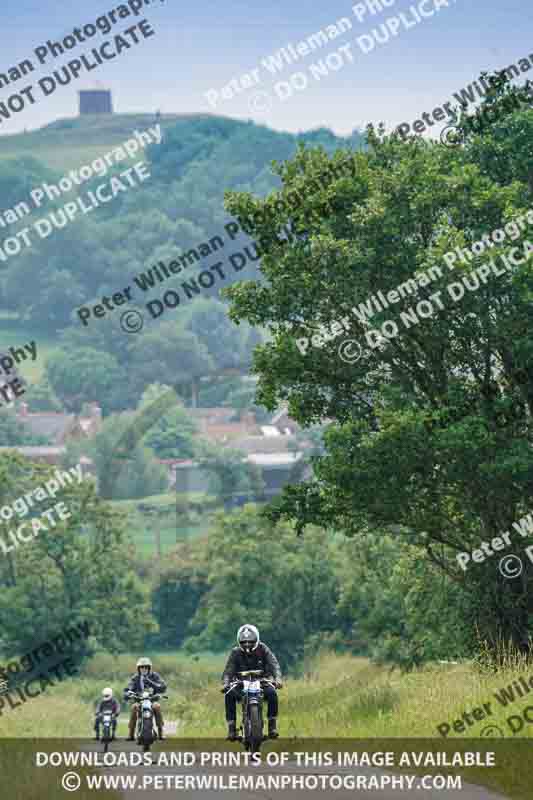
{"type": "Point", "coordinates": [270, 447]}
{"type": "Point", "coordinates": [58, 429]}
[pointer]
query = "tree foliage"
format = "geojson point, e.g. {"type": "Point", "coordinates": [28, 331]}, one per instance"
{"type": "Point", "coordinates": [432, 429]}
{"type": "Point", "coordinates": [124, 471]}
{"type": "Point", "coordinates": [172, 436]}
{"type": "Point", "coordinates": [77, 571]}
{"type": "Point", "coordinates": [265, 576]}
{"type": "Point", "coordinates": [99, 254]}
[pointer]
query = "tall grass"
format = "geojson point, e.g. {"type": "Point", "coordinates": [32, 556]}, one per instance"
{"type": "Point", "coordinates": [336, 696]}
{"type": "Point", "coordinates": [67, 710]}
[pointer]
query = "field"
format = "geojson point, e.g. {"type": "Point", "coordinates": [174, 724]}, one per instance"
{"type": "Point", "coordinates": [169, 521]}
{"type": "Point", "coordinates": [337, 697]}
{"type": "Point", "coordinates": [14, 335]}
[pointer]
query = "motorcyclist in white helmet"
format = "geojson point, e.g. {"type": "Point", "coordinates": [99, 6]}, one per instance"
{"type": "Point", "coordinates": [107, 703]}
{"type": "Point", "coordinates": [251, 653]}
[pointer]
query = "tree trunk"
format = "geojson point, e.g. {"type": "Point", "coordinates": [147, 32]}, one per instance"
{"type": "Point", "coordinates": [194, 393]}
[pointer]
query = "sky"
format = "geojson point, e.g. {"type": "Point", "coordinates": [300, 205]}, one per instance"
{"type": "Point", "coordinates": [202, 46]}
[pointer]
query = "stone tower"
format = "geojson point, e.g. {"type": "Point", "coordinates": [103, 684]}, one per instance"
{"type": "Point", "coordinates": [96, 101]}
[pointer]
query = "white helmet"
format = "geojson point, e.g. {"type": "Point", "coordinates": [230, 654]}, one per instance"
{"type": "Point", "coordinates": [107, 694]}
{"type": "Point", "coordinates": [247, 638]}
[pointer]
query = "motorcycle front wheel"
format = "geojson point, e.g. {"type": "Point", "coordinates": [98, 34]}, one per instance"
{"type": "Point", "coordinates": [255, 728]}
{"type": "Point", "coordinates": [147, 734]}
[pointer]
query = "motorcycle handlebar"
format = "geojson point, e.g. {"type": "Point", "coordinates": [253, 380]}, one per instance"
{"type": "Point", "coordinates": [251, 672]}
{"type": "Point", "coordinates": [231, 686]}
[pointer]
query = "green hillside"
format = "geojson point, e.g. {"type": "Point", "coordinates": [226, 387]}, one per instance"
{"type": "Point", "coordinates": [200, 157]}
{"type": "Point", "coordinates": [70, 143]}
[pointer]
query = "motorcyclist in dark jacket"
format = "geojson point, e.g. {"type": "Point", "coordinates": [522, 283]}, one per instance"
{"type": "Point", "coordinates": [250, 654]}
{"type": "Point", "coordinates": [144, 680]}
{"type": "Point", "coordinates": [107, 703]}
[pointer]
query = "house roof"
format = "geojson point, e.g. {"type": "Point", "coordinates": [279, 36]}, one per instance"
{"type": "Point", "coordinates": [282, 412]}
{"type": "Point", "coordinates": [218, 413]}
{"type": "Point", "coordinates": [282, 420]}
{"type": "Point", "coordinates": [261, 459]}
{"type": "Point", "coordinates": [262, 444]}
{"type": "Point", "coordinates": [36, 451]}
{"type": "Point", "coordinates": [53, 425]}
{"type": "Point", "coordinates": [273, 459]}
{"type": "Point", "coordinates": [270, 430]}
{"type": "Point", "coordinates": [227, 430]}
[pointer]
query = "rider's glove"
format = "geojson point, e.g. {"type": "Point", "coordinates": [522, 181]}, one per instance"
{"type": "Point", "coordinates": [278, 684]}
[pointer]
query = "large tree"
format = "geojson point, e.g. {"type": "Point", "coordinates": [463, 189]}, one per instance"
{"type": "Point", "coordinates": [172, 435]}
{"type": "Point", "coordinates": [433, 427]}
{"type": "Point", "coordinates": [78, 570]}
{"type": "Point", "coordinates": [261, 572]}
{"type": "Point", "coordinates": [125, 467]}
{"type": "Point", "coordinates": [170, 354]}
{"type": "Point", "coordinates": [78, 374]}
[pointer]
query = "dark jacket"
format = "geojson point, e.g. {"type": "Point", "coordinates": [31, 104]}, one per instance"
{"type": "Point", "coordinates": [260, 658]}
{"type": "Point", "coordinates": [108, 705]}
{"type": "Point", "coordinates": [151, 681]}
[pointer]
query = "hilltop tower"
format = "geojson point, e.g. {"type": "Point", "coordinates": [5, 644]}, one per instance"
{"type": "Point", "coordinates": [95, 101]}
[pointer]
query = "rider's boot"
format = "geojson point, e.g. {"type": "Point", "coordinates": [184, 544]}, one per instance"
{"type": "Point", "coordinates": [160, 734]}
{"type": "Point", "coordinates": [272, 729]}
{"type": "Point", "coordinates": [232, 730]}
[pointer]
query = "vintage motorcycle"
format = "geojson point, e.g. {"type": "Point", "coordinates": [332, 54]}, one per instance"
{"type": "Point", "coordinates": [107, 729]}
{"type": "Point", "coordinates": [145, 734]}
{"type": "Point", "coordinates": [250, 684]}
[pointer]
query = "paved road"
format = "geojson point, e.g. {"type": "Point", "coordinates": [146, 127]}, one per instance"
{"type": "Point", "coordinates": [413, 788]}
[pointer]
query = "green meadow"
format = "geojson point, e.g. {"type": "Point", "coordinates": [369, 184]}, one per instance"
{"type": "Point", "coordinates": [168, 526]}
{"type": "Point", "coordinates": [336, 697]}
{"type": "Point", "coordinates": [14, 335]}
